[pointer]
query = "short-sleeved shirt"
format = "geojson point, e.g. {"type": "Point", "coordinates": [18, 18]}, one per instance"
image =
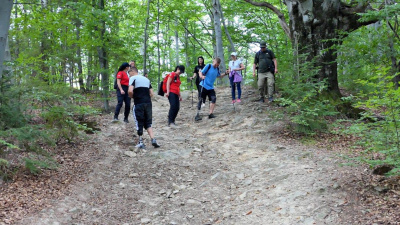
{"type": "Point", "coordinates": [211, 75]}
{"type": "Point", "coordinates": [141, 89]}
{"type": "Point", "coordinates": [264, 60]}
{"type": "Point", "coordinates": [235, 65]}
{"type": "Point", "coordinates": [196, 71]}
{"type": "Point", "coordinates": [174, 87]}
{"type": "Point", "coordinates": [124, 78]}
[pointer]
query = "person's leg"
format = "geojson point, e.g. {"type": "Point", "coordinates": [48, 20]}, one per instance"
{"type": "Point", "coordinates": [239, 90]}
{"type": "Point", "coordinates": [171, 108]}
{"type": "Point", "coordinates": [139, 118]}
{"type": "Point", "coordinates": [213, 99]}
{"type": "Point", "coordinates": [148, 122]}
{"type": "Point", "coordinates": [232, 87]}
{"type": "Point", "coordinates": [174, 107]}
{"type": "Point", "coordinates": [127, 101]}
{"type": "Point", "coordinates": [201, 100]}
{"type": "Point", "coordinates": [177, 106]}
{"type": "Point", "coordinates": [119, 104]}
{"type": "Point", "coordinates": [271, 82]}
{"type": "Point", "coordinates": [261, 84]}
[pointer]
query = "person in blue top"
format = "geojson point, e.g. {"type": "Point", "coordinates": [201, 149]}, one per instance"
{"type": "Point", "coordinates": [208, 75]}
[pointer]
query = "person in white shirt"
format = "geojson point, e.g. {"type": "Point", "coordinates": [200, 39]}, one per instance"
{"type": "Point", "coordinates": [235, 76]}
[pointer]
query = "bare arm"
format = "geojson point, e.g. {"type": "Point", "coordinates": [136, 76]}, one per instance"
{"type": "Point", "coordinates": [276, 64]}
{"type": "Point", "coordinates": [130, 91]}
{"type": "Point", "coordinates": [151, 92]}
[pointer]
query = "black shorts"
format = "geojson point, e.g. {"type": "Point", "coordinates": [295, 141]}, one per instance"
{"type": "Point", "coordinates": [143, 115]}
{"type": "Point", "coordinates": [212, 97]}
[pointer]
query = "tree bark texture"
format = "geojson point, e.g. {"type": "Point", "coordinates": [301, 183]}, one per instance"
{"type": "Point", "coordinates": [146, 36]}
{"type": "Point", "coordinates": [5, 13]}
{"type": "Point", "coordinates": [218, 34]}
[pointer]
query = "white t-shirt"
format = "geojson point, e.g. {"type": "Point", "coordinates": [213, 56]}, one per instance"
{"type": "Point", "coordinates": [235, 65]}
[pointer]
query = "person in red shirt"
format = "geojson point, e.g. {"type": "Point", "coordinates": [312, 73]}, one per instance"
{"type": "Point", "coordinates": [122, 92]}
{"type": "Point", "coordinates": [174, 94]}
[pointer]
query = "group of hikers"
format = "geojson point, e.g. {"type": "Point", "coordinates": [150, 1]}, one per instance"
{"type": "Point", "coordinates": [129, 84]}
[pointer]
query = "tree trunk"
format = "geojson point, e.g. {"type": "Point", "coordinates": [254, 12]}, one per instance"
{"type": "Point", "coordinates": [158, 42]}
{"type": "Point", "coordinates": [5, 13]}
{"type": "Point", "coordinates": [218, 34]}
{"type": "Point", "coordinates": [103, 61]}
{"type": "Point", "coordinates": [232, 46]}
{"type": "Point", "coordinates": [146, 36]}
{"type": "Point", "coordinates": [176, 43]}
{"type": "Point", "coordinates": [186, 51]}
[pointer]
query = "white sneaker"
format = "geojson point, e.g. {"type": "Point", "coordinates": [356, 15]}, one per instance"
{"type": "Point", "coordinates": [202, 105]}
{"type": "Point", "coordinates": [141, 145]}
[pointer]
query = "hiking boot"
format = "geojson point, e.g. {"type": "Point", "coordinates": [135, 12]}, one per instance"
{"type": "Point", "coordinates": [197, 118]}
{"type": "Point", "coordinates": [211, 116]}
{"type": "Point", "coordinates": [238, 101]}
{"type": "Point", "coordinates": [115, 120]}
{"type": "Point", "coordinates": [154, 143]}
{"type": "Point", "coordinates": [173, 125]}
{"type": "Point", "coordinates": [126, 120]}
{"type": "Point", "coordinates": [261, 100]}
{"type": "Point", "coordinates": [141, 145]}
{"type": "Point", "coordinates": [233, 101]}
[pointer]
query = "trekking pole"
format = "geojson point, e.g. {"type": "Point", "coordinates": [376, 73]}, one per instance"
{"type": "Point", "coordinates": [191, 88]}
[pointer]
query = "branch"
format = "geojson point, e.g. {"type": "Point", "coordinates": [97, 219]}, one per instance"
{"type": "Point", "coordinates": [394, 30]}
{"type": "Point", "coordinates": [280, 15]}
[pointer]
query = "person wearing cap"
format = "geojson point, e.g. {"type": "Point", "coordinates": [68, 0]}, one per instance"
{"type": "Point", "coordinates": [122, 92]}
{"type": "Point", "coordinates": [235, 76]}
{"type": "Point", "coordinates": [267, 65]}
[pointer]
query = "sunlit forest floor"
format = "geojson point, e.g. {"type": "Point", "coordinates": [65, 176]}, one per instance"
{"type": "Point", "coordinates": [242, 167]}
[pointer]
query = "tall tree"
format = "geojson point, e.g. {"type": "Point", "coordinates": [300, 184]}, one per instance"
{"type": "Point", "coordinates": [103, 60]}
{"type": "Point", "coordinates": [146, 36]}
{"type": "Point", "coordinates": [218, 33]}
{"type": "Point", "coordinates": [316, 26]}
{"type": "Point", "coordinates": [5, 13]}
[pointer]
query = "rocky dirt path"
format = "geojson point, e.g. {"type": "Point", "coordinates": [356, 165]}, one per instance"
{"type": "Point", "coordinates": [226, 170]}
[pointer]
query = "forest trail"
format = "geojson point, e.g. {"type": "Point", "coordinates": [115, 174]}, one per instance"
{"type": "Point", "coordinates": [226, 170]}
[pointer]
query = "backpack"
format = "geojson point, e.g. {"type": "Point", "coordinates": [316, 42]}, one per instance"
{"type": "Point", "coordinates": [162, 87]}
{"type": "Point", "coordinates": [115, 82]}
{"type": "Point", "coordinates": [272, 66]}
{"type": "Point", "coordinates": [208, 68]}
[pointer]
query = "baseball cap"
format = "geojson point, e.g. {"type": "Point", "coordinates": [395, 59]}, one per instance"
{"type": "Point", "coordinates": [263, 44]}
{"type": "Point", "coordinates": [234, 53]}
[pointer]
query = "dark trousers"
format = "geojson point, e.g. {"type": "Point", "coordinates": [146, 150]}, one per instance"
{"type": "Point", "coordinates": [198, 88]}
{"type": "Point", "coordinates": [237, 84]}
{"type": "Point", "coordinates": [123, 98]}
{"type": "Point", "coordinates": [174, 107]}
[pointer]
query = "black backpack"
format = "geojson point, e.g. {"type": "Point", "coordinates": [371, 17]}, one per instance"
{"type": "Point", "coordinates": [272, 66]}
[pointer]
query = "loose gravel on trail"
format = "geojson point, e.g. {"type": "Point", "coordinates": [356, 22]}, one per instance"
{"type": "Point", "coordinates": [226, 170]}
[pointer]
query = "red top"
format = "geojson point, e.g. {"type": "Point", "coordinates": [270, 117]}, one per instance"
{"type": "Point", "coordinates": [174, 86]}
{"type": "Point", "coordinates": [124, 78]}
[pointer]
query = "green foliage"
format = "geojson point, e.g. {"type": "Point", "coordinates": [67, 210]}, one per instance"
{"type": "Point", "coordinates": [35, 164]}
{"type": "Point", "coordinates": [380, 138]}
{"type": "Point", "coordinates": [304, 99]}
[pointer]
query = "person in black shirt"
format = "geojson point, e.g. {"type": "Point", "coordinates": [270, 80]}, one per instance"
{"type": "Point", "coordinates": [141, 91]}
{"type": "Point", "coordinates": [199, 67]}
